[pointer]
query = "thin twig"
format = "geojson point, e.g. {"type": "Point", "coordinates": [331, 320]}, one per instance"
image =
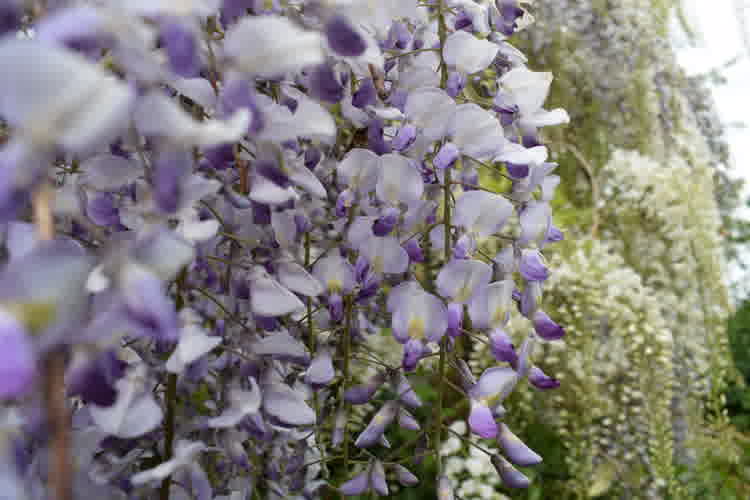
{"type": "Point", "coordinates": [447, 196]}
{"type": "Point", "coordinates": [60, 473]}
{"type": "Point", "coordinates": [590, 172]}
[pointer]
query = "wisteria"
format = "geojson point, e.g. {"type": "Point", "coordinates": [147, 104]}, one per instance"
{"type": "Point", "coordinates": [210, 206]}
{"type": "Point", "coordinates": [640, 282]}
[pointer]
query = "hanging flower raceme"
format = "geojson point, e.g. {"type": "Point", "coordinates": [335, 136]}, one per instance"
{"type": "Point", "coordinates": [242, 198]}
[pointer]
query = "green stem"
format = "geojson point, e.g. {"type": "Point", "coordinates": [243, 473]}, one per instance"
{"type": "Point", "coordinates": [410, 53]}
{"type": "Point", "coordinates": [437, 440]}
{"type": "Point", "coordinates": [223, 308]}
{"type": "Point", "coordinates": [470, 442]}
{"type": "Point", "coordinates": [345, 384]}
{"type": "Point", "coordinates": [311, 337]}
{"type": "Point", "coordinates": [170, 399]}
{"type": "Point", "coordinates": [310, 333]}
{"type": "Point", "coordinates": [171, 402]}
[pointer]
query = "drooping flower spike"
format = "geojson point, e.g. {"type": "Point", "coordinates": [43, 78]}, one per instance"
{"type": "Point", "coordinates": [241, 199]}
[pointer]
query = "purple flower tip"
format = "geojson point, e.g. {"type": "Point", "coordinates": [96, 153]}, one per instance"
{"type": "Point", "coordinates": [169, 171]}
{"type": "Point", "coordinates": [375, 139]}
{"type": "Point", "coordinates": [502, 348]}
{"type": "Point", "coordinates": [11, 13]}
{"type": "Point", "coordinates": [511, 477]}
{"type": "Point", "coordinates": [384, 224]}
{"type": "Point", "coordinates": [446, 157]}
{"type": "Point", "coordinates": [312, 157]}
{"type": "Point", "coordinates": [375, 429]}
{"type": "Point", "coordinates": [404, 476]}
{"type": "Point", "coordinates": [181, 48]}
{"type": "Point", "coordinates": [517, 171]}
{"type": "Point", "coordinates": [554, 234]}
{"type": "Point", "coordinates": [542, 381]}
{"type": "Point", "coordinates": [414, 349]}
{"type": "Point", "coordinates": [365, 95]}
{"type": "Point", "coordinates": [546, 328]}
{"type": "Point", "coordinates": [531, 266]}
{"type": "Point", "coordinates": [481, 421]}
{"type": "Point", "coordinates": [515, 449]}
{"type": "Point", "coordinates": [399, 36]}
{"type": "Point", "coordinates": [455, 319]}
{"type": "Point", "coordinates": [102, 211]}
{"type": "Point", "coordinates": [414, 250]}
{"type": "Point", "coordinates": [405, 138]}
{"type": "Point", "coordinates": [343, 38]}
{"type": "Point", "coordinates": [356, 485]}
{"type": "Point", "coordinates": [456, 83]}
{"type": "Point", "coordinates": [361, 394]}
{"type": "Point", "coordinates": [17, 363]}
{"type": "Point", "coordinates": [273, 173]}
{"type": "Point", "coordinates": [324, 85]}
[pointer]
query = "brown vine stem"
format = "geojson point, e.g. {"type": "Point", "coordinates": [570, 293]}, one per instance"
{"type": "Point", "coordinates": [60, 473]}
{"type": "Point", "coordinates": [170, 400]}
{"type": "Point", "coordinates": [590, 172]}
{"type": "Point", "coordinates": [345, 384]}
{"type": "Point", "coordinates": [171, 403]}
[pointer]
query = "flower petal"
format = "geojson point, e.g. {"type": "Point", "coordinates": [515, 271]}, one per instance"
{"type": "Point", "coordinates": [282, 346]}
{"type": "Point", "coordinates": [482, 213]}
{"type": "Point", "coordinates": [287, 405]}
{"type": "Point", "coordinates": [399, 180]}
{"type": "Point", "coordinates": [460, 280]}
{"type": "Point", "coordinates": [194, 343]}
{"type": "Point", "coordinates": [278, 46]}
{"type": "Point", "coordinates": [321, 370]}
{"type": "Point", "coordinates": [515, 449]}
{"type": "Point", "coordinates": [432, 110]}
{"type": "Point", "coordinates": [17, 360]}
{"type": "Point", "coordinates": [297, 279]}
{"type": "Point", "coordinates": [528, 88]}
{"type": "Point", "coordinates": [546, 328]}
{"type": "Point", "coordinates": [356, 485]}
{"type": "Point", "coordinates": [495, 381]}
{"type": "Point", "coordinates": [377, 425]}
{"type": "Point", "coordinates": [57, 97]}
{"type": "Point", "coordinates": [510, 475]}
{"type": "Point", "coordinates": [481, 421]}
{"type": "Point", "coordinates": [467, 53]}
{"type": "Point", "coordinates": [269, 298]}
{"type": "Point", "coordinates": [159, 116]}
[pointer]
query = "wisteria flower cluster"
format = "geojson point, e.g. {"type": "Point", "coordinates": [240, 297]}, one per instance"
{"type": "Point", "coordinates": [208, 207]}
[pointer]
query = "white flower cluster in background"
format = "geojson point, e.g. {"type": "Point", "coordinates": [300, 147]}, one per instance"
{"type": "Point", "coordinates": [470, 468]}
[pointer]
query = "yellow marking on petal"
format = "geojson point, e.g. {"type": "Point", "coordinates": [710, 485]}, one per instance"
{"type": "Point", "coordinates": [377, 264]}
{"type": "Point", "coordinates": [391, 192]}
{"type": "Point", "coordinates": [498, 315]}
{"type": "Point", "coordinates": [491, 400]}
{"type": "Point", "coordinates": [335, 285]}
{"type": "Point", "coordinates": [416, 328]}
{"type": "Point", "coordinates": [464, 293]}
{"type": "Point", "coordinates": [512, 437]}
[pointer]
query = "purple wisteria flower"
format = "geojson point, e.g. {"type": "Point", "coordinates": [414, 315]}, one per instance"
{"type": "Point", "coordinates": [211, 211]}
{"type": "Point", "coordinates": [19, 361]}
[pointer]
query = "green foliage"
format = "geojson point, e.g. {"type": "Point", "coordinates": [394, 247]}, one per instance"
{"type": "Point", "coordinates": [739, 339]}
